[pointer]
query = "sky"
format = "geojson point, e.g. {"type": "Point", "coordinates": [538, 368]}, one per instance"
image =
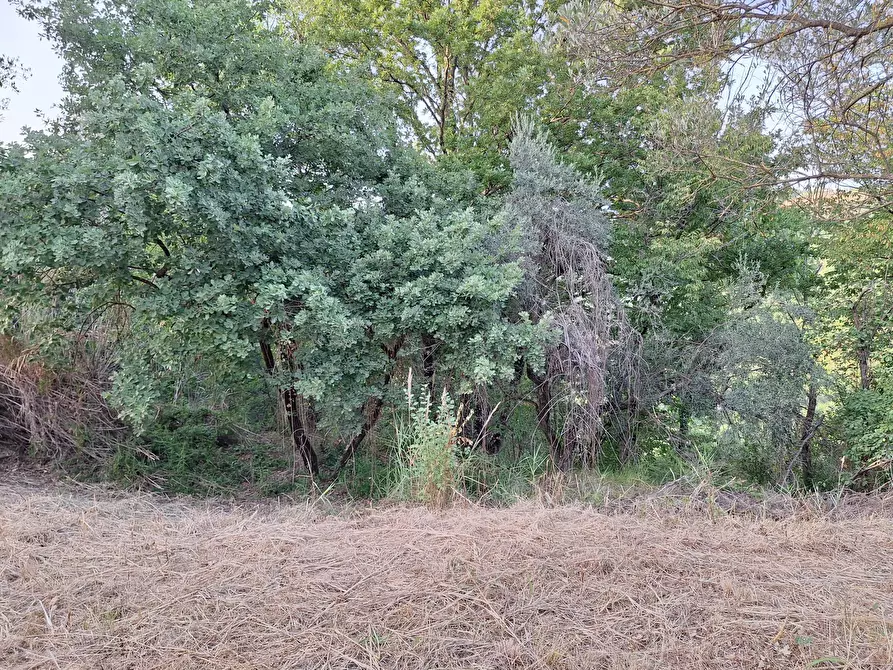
{"type": "Point", "coordinates": [20, 38]}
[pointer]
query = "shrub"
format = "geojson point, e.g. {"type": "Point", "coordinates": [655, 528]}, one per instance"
{"type": "Point", "coordinates": [197, 452]}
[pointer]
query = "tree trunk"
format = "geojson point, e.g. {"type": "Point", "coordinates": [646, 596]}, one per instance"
{"type": "Point", "coordinates": [863, 355]}
{"type": "Point", "coordinates": [371, 410]}
{"type": "Point", "coordinates": [806, 432]}
{"type": "Point", "coordinates": [476, 428]}
{"type": "Point", "coordinates": [294, 406]}
{"type": "Point", "coordinates": [684, 432]}
{"type": "Point", "coordinates": [863, 348]}
{"type": "Point", "coordinates": [446, 102]}
{"type": "Point", "coordinates": [624, 421]}
{"type": "Point", "coordinates": [544, 402]}
{"type": "Point", "coordinates": [429, 345]}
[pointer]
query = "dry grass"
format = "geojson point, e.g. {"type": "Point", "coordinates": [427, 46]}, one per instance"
{"type": "Point", "coordinates": [98, 582]}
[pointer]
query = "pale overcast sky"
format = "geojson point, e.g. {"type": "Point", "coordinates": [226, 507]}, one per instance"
{"type": "Point", "coordinates": [21, 39]}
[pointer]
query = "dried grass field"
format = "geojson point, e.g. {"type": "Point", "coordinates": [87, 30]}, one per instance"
{"type": "Point", "coordinates": [95, 581]}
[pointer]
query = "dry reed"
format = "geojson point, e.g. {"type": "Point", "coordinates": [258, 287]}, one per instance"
{"type": "Point", "coordinates": [52, 414]}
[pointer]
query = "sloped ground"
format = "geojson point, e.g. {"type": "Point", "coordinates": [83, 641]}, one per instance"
{"type": "Point", "coordinates": [94, 581]}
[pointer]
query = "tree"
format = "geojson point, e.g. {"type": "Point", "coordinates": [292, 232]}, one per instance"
{"type": "Point", "coordinates": [856, 333]}
{"type": "Point", "coordinates": [215, 181]}
{"type": "Point", "coordinates": [767, 378]}
{"type": "Point", "coordinates": [10, 71]}
{"type": "Point", "coordinates": [561, 219]}
{"type": "Point", "coordinates": [858, 294]}
{"type": "Point", "coordinates": [823, 69]}
{"type": "Point", "coordinates": [460, 70]}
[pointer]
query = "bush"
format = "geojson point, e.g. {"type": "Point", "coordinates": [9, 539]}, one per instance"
{"type": "Point", "coordinates": [197, 452]}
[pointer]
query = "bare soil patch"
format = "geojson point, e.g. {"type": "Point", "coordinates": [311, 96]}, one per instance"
{"type": "Point", "coordinates": [94, 581]}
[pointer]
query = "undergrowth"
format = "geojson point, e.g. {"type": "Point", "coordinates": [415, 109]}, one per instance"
{"type": "Point", "coordinates": [198, 452]}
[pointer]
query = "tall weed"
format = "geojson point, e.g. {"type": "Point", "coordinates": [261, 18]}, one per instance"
{"type": "Point", "coordinates": [426, 466]}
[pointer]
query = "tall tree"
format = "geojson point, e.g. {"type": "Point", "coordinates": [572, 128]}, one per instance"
{"type": "Point", "coordinates": [212, 178]}
{"type": "Point", "coordinates": [461, 70]}
{"type": "Point", "coordinates": [565, 231]}
{"type": "Point", "coordinates": [823, 67]}
{"type": "Point", "coordinates": [856, 333]}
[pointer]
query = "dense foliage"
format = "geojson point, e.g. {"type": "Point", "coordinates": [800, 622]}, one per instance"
{"type": "Point", "coordinates": [265, 217]}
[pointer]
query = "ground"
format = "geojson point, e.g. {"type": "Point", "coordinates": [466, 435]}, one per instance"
{"type": "Point", "coordinates": [92, 579]}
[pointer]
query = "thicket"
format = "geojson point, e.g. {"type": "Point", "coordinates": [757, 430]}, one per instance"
{"type": "Point", "coordinates": [423, 251]}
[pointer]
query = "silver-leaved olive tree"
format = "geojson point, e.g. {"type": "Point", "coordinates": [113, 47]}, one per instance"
{"type": "Point", "coordinates": [241, 201]}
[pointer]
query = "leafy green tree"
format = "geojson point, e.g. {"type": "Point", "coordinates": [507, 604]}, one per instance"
{"type": "Point", "coordinates": [215, 181]}
{"type": "Point", "coordinates": [768, 379]}
{"type": "Point", "coordinates": [460, 70]}
{"type": "Point", "coordinates": [856, 335]}
{"type": "Point", "coordinates": [858, 296]}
